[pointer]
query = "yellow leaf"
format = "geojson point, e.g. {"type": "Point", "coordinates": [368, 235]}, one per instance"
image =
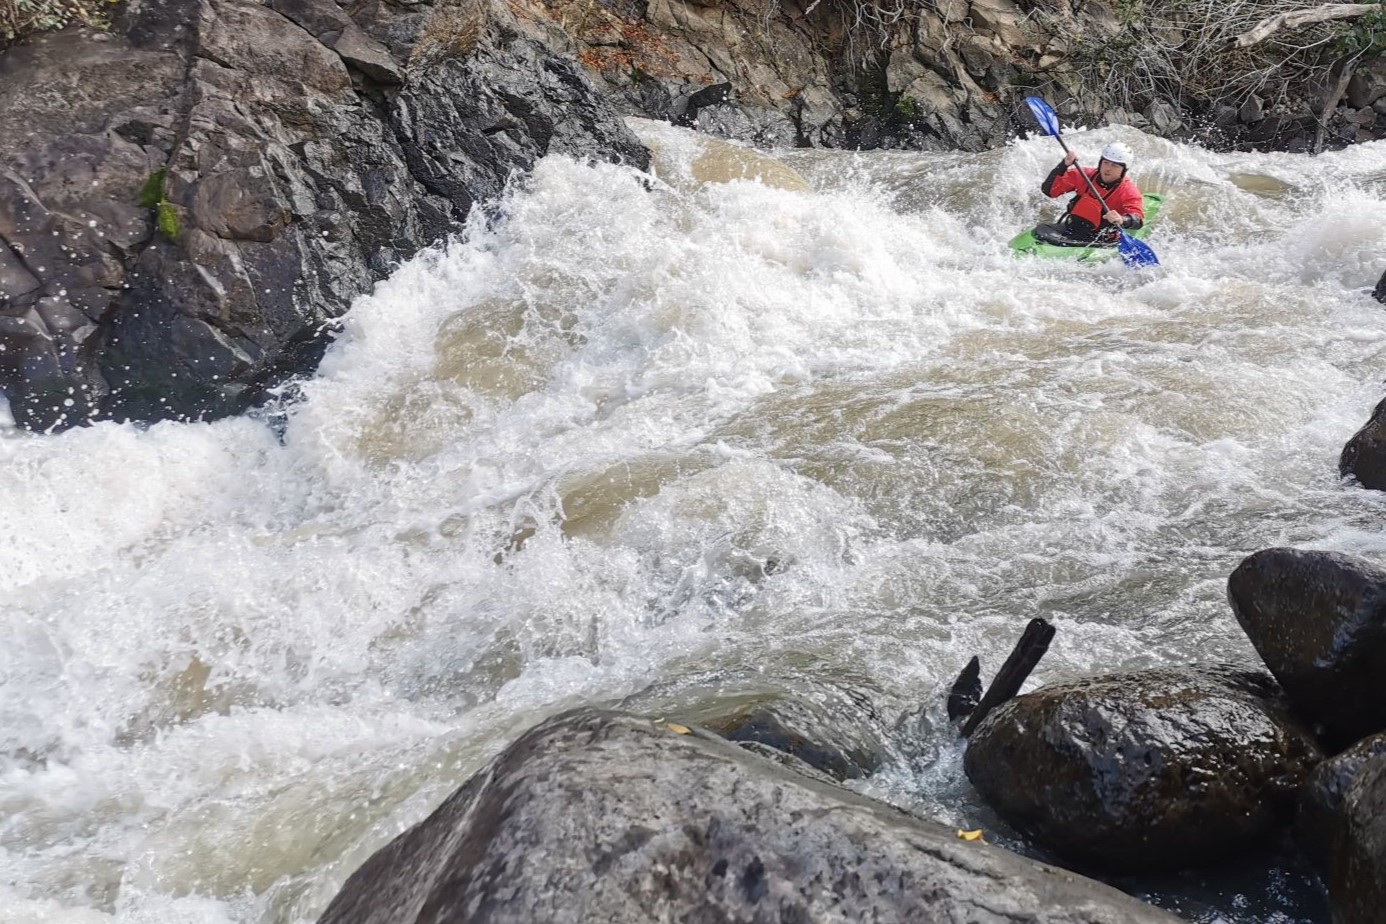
{"type": "Point", "coordinates": [971, 835]}
{"type": "Point", "coordinates": [678, 729]}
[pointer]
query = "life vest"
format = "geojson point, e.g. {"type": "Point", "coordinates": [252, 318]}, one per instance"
{"type": "Point", "coordinates": [1125, 198]}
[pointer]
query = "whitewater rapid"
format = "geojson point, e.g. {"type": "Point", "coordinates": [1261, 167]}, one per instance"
{"type": "Point", "coordinates": [656, 438]}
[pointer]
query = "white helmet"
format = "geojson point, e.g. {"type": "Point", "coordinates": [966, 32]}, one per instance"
{"type": "Point", "coordinates": [1117, 153]}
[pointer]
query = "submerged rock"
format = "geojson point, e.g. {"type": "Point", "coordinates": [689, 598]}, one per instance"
{"type": "Point", "coordinates": [598, 816]}
{"type": "Point", "coordinates": [1144, 771]}
{"type": "Point", "coordinates": [1318, 620]}
{"type": "Point", "coordinates": [842, 744]}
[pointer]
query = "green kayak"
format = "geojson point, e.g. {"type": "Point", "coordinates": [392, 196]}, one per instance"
{"type": "Point", "coordinates": [1027, 243]}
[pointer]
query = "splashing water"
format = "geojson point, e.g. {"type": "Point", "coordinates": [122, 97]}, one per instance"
{"type": "Point", "coordinates": [815, 424]}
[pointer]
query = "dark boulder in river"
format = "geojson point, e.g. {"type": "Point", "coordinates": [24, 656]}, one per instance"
{"type": "Point", "coordinates": [1364, 456]}
{"type": "Point", "coordinates": [1321, 805]}
{"type": "Point", "coordinates": [1147, 770]}
{"type": "Point", "coordinates": [1357, 885]}
{"type": "Point", "coordinates": [598, 816]}
{"type": "Point", "coordinates": [188, 202]}
{"type": "Point", "coordinates": [1318, 620]}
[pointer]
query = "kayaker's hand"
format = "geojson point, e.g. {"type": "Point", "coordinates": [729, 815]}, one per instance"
{"type": "Point", "coordinates": [1113, 217]}
{"type": "Point", "coordinates": [1069, 158]}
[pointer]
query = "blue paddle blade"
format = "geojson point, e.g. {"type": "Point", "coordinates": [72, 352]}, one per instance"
{"type": "Point", "coordinates": [1136, 253]}
{"type": "Point", "coordinates": [1044, 115]}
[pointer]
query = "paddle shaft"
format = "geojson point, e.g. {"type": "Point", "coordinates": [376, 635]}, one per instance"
{"type": "Point", "coordinates": [1086, 179]}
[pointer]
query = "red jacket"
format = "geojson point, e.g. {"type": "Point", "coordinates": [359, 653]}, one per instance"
{"type": "Point", "coordinates": [1125, 199]}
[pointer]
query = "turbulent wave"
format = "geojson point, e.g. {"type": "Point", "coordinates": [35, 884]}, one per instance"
{"type": "Point", "coordinates": [790, 418]}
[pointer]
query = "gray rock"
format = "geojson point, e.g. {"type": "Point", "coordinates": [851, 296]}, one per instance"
{"type": "Point", "coordinates": [1365, 88]}
{"type": "Point", "coordinates": [1164, 117]}
{"type": "Point", "coordinates": [607, 817]}
{"type": "Point", "coordinates": [1144, 771]}
{"type": "Point", "coordinates": [1379, 293]}
{"type": "Point", "coordinates": [1318, 620]}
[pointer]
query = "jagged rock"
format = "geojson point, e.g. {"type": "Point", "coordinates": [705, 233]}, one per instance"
{"type": "Point", "coordinates": [1318, 620]}
{"type": "Point", "coordinates": [1379, 293]}
{"type": "Point", "coordinates": [1120, 116]}
{"type": "Point", "coordinates": [1001, 18]}
{"type": "Point", "coordinates": [296, 172]}
{"type": "Point", "coordinates": [1144, 771]}
{"type": "Point", "coordinates": [607, 817]}
{"type": "Point", "coordinates": [1321, 804]}
{"type": "Point", "coordinates": [1163, 117]}
{"type": "Point", "coordinates": [94, 128]}
{"type": "Point", "coordinates": [1366, 87]}
{"type": "Point", "coordinates": [952, 10]}
{"type": "Point", "coordinates": [1357, 885]}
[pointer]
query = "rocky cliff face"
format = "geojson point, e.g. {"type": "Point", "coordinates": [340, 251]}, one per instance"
{"type": "Point", "coordinates": [188, 202]}
{"type": "Point", "coordinates": [948, 74]}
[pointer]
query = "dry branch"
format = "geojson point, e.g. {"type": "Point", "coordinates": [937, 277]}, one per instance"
{"type": "Point", "coordinates": [1273, 24]}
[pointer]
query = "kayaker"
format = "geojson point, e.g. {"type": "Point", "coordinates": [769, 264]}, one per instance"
{"type": "Point", "coordinates": [1087, 218]}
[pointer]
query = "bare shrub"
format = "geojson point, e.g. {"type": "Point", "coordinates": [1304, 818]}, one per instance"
{"type": "Point", "coordinates": [453, 29]}
{"type": "Point", "coordinates": [1187, 50]}
{"type": "Point", "coordinates": [19, 18]}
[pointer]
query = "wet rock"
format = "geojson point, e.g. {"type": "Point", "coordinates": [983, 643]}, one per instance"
{"type": "Point", "coordinates": [1318, 620]}
{"type": "Point", "coordinates": [1144, 771]}
{"type": "Point", "coordinates": [608, 817]}
{"type": "Point", "coordinates": [467, 123]}
{"type": "Point", "coordinates": [1321, 804]}
{"type": "Point", "coordinates": [1223, 115]}
{"type": "Point", "coordinates": [1379, 293]}
{"type": "Point", "coordinates": [839, 738]}
{"type": "Point", "coordinates": [1357, 886]}
{"type": "Point", "coordinates": [211, 185]}
{"type": "Point", "coordinates": [1364, 456]}
{"type": "Point", "coordinates": [833, 729]}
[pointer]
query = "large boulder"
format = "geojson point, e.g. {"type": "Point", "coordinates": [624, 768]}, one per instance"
{"type": "Point", "coordinates": [598, 816]}
{"type": "Point", "coordinates": [1357, 885]}
{"type": "Point", "coordinates": [191, 200]}
{"type": "Point", "coordinates": [1318, 620]}
{"type": "Point", "coordinates": [1321, 804]}
{"type": "Point", "coordinates": [1144, 771]}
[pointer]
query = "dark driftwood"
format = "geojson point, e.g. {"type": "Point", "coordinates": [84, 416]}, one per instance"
{"type": "Point", "coordinates": [966, 692]}
{"type": "Point", "coordinates": [1026, 654]}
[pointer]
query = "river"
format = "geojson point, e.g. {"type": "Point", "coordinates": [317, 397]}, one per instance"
{"type": "Point", "coordinates": [659, 439]}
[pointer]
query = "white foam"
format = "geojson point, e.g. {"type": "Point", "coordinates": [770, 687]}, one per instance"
{"type": "Point", "coordinates": [631, 433]}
